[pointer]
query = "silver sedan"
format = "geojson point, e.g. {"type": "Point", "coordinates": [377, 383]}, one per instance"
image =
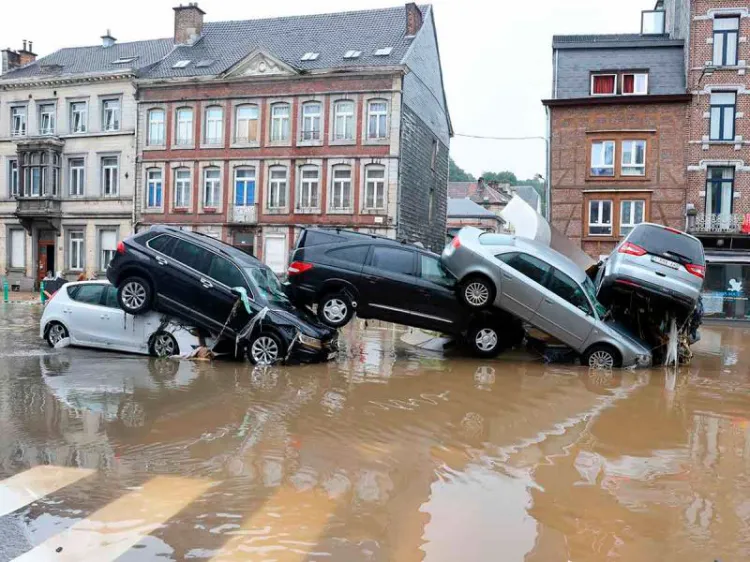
{"type": "Point", "coordinates": [544, 288]}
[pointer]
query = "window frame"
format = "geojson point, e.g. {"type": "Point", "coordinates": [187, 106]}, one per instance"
{"type": "Point", "coordinates": [19, 113]}
{"type": "Point", "coordinates": [600, 224]}
{"type": "Point", "coordinates": [274, 189]}
{"type": "Point", "coordinates": [157, 185]}
{"type": "Point", "coordinates": [593, 142]}
{"type": "Point", "coordinates": [618, 139]}
{"type": "Point", "coordinates": [384, 115]}
{"type": "Point", "coordinates": [215, 184]}
{"type": "Point", "coordinates": [9, 253]}
{"type": "Point", "coordinates": [334, 181]}
{"type": "Point", "coordinates": [150, 127]}
{"type": "Point", "coordinates": [617, 197]}
{"type": "Point", "coordinates": [43, 110]}
{"type": "Point", "coordinates": [349, 119]}
{"type": "Point", "coordinates": [80, 174]}
{"type": "Point", "coordinates": [179, 187]}
{"type": "Point", "coordinates": [724, 33]}
{"type": "Point", "coordinates": [633, 153]}
{"type": "Point", "coordinates": [209, 122]}
{"type": "Point", "coordinates": [314, 135]}
{"type": "Point", "coordinates": [188, 141]}
{"type": "Point", "coordinates": [635, 92]}
{"type": "Point", "coordinates": [84, 120]}
{"type": "Point", "coordinates": [281, 120]}
{"type": "Point", "coordinates": [115, 175]}
{"type": "Point", "coordinates": [367, 179]}
{"type": "Point", "coordinates": [81, 251]}
{"type": "Point", "coordinates": [116, 111]}
{"type": "Point", "coordinates": [721, 107]}
{"type": "Point", "coordinates": [304, 184]}
{"type": "Point", "coordinates": [14, 177]}
{"type": "Point", "coordinates": [711, 183]}
{"type": "Point", "coordinates": [246, 184]}
{"type": "Point", "coordinates": [631, 225]}
{"type": "Point", "coordinates": [601, 75]}
{"type": "Point", "coordinates": [102, 261]}
{"type": "Point", "coordinates": [236, 139]}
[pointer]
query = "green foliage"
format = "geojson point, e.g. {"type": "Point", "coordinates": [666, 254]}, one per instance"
{"type": "Point", "coordinates": [455, 173]}
{"type": "Point", "coordinates": [501, 177]}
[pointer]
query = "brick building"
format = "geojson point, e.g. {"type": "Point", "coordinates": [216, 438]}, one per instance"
{"type": "Point", "coordinates": [254, 129]}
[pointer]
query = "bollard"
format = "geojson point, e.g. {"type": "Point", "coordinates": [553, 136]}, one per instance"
{"type": "Point", "coordinates": [41, 292]}
{"type": "Point", "coordinates": [5, 290]}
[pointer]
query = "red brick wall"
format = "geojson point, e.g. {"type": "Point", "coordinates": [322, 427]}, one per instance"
{"type": "Point", "coordinates": [662, 125]}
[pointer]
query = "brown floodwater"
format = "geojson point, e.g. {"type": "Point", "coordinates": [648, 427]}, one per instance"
{"type": "Point", "coordinates": [388, 453]}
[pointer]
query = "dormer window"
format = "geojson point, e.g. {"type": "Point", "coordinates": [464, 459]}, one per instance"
{"type": "Point", "coordinates": [352, 54]}
{"type": "Point", "coordinates": [652, 22]}
{"type": "Point", "coordinates": [603, 84]}
{"type": "Point", "coordinates": [624, 83]}
{"type": "Point", "coordinates": [635, 84]}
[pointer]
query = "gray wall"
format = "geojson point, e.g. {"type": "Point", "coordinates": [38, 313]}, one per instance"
{"type": "Point", "coordinates": [419, 182]}
{"type": "Point", "coordinates": [665, 66]}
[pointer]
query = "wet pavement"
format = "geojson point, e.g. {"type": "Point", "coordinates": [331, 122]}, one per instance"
{"type": "Point", "coordinates": [388, 453]}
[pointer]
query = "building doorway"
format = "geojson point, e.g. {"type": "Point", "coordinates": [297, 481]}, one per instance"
{"type": "Point", "coordinates": [45, 254]}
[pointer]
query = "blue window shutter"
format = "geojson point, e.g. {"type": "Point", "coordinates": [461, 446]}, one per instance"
{"type": "Point", "coordinates": [251, 192]}
{"type": "Point", "coordinates": [239, 193]}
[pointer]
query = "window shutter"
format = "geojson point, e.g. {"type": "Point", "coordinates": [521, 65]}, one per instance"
{"type": "Point", "coordinates": [18, 239]}
{"type": "Point", "coordinates": [109, 240]}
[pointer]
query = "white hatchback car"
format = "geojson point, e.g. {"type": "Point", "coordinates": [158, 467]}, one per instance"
{"type": "Point", "coordinates": [87, 312]}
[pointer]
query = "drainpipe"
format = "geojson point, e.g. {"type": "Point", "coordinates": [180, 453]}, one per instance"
{"type": "Point", "coordinates": [135, 161]}
{"type": "Point", "coordinates": [548, 186]}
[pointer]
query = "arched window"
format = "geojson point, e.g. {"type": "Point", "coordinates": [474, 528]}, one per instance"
{"type": "Point", "coordinates": [343, 120]}
{"type": "Point", "coordinates": [214, 125]}
{"type": "Point", "coordinates": [156, 133]}
{"type": "Point", "coordinates": [309, 188]}
{"type": "Point", "coordinates": [246, 123]}
{"type": "Point", "coordinates": [184, 127]}
{"type": "Point", "coordinates": [244, 187]}
{"type": "Point", "coordinates": [280, 122]}
{"type": "Point", "coordinates": [377, 119]}
{"type": "Point", "coordinates": [311, 112]}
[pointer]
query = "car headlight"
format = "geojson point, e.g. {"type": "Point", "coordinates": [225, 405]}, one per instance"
{"type": "Point", "coordinates": [310, 342]}
{"type": "Point", "coordinates": [644, 360]}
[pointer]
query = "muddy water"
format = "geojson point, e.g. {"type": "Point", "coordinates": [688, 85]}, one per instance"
{"type": "Point", "coordinates": [389, 453]}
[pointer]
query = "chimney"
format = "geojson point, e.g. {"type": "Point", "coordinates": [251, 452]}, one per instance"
{"type": "Point", "coordinates": [413, 19]}
{"type": "Point", "coordinates": [108, 40]}
{"type": "Point", "coordinates": [9, 59]}
{"type": "Point", "coordinates": [188, 23]}
{"type": "Point", "coordinates": [26, 55]}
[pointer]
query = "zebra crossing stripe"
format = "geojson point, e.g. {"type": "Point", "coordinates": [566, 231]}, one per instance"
{"type": "Point", "coordinates": [286, 528]}
{"type": "Point", "coordinates": [112, 530]}
{"type": "Point", "coordinates": [33, 484]}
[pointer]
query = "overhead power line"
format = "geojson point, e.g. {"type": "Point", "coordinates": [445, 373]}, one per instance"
{"type": "Point", "coordinates": [489, 137]}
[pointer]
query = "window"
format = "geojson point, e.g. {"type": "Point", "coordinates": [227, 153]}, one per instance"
{"type": "Point", "coordinates": [246, 128]}
{"type": "Point", "coordinates": [111, 115]}
{"type": "Point", "coordinates": [433, 160]}
{"type": "Point", "coordinates": [722, 116]}
{"type": "Point", "coordinates": [383, 52]}
{"type": "Point", "coordinates": [310, 56]}
{"type": "Point", "coordinates": [181, 63]}
{"type": "Point", "coordinates": [311, 121]}
{"type": "Point", "coordinates": [279, 122]}
{"type": "Point", "coordinates": [89, 294]}
{"type": "Point", "coordinates": [632, 212]}
{"type": "Point", "coordinates": [76, 176]}
{"type": "Point", "coordinates": [162, 244]}
{"type": "Point", "coordinates": [184, 132]}
{"type": "Point", "coordinates": [374, 187]}
{"type": "Point", "coordinates": [211, 187]}
{"type": "Point", "coordinates": [309, 195]}
{"type": "Point", "coordinates": [224, 271]}
{"type": "Point", "coordinates": [568, 290]}
{"type": "Point", "coordinates": [107, 247]}
{"type": "Point", "coordinates": [18, 121]}
{"type": "Point", "coordinates": [726, 33]}
{"type": "Point", "coordinates": [533, 268]}
{"type": "Point", "coordinates": [183, 187]}
{"type": "Point", "coordinates": [192, 256]}
{"type": "Point", "coordinates": [633, 158]}
{"type": "Point", "coordinates": [600, 218]}
{"type": "Point", "coordinates": [603, 84]}
{"type": "Point", "coordinates": [244, 187]}
{"type": "Point", "coordinates": [17, 249]}
{"type": "Point", "coordinates": [353, 256]}
{"type": "Point", "coordinates": [635, 84]}
{"type": "Point", "coordinates": [341, 189]}
{"type": "Point", "coordinates": [392, 260]}
{"type": "Point", "coordinates": [47, 119]}
{"type": "Point", "coordinates": [277, 188]}
{"type": "Point", "coordinates": [110, 297]}
{"type": "Point", "coordinates": [13, 178]}
{"type": "Point", "coordinates": [652, 22]}
{"type": "Point", "coordinates": [377, 114]}
{"type": "Point", "coordinates": [719, 191]}
{"type": "Point", "coordinates": [156, 131]}
{"type": "Point", "coordinates": [76, 256]}
{"type": "Point", "coordinates": [154, 188]}
{"type": "Point", "coordinates": [110, 175]}
{"type": "Point", "coordinates": [214, 126]}
{"type": "Point", "coordinates": [431, 270]}
{"type": "Point", "coordinates": [603, 158]}
{"type": "Point", "coordinates": [79, 117]}
{"type": "Point", "coordinates": [343, 120]}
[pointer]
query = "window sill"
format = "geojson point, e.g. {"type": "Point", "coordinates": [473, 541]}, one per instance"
{"type": "Point", "coordinates": [155, 147]}
{"type": "Point", "coordinates": [154, 210]}
{"type": "Point", "coordinates": [340, 211]}
{"type": "Point", "coordinates": [181, 210]}
{"type": "Point", "coordinates": [621, 179]}
{"type": "Point", "coordinates": [373, 211]}
{"type": "Point", "coordinates": [343, 142]}
{"type": "Point", "coordinates": [245, 145]}
{"type": "Point", "coordinates": [16, 270]}
{"type": "Point", "coordinates": [183, 146]}
{"type": "Point", "coordinates": [317, 142]}
{"type": "Point", "coordinates": [277, 211]}
{"type": "Point", "coordinates": [208, 146]}
{"type": "Point", "coordinates": [602, 238]}
{"type": "Point", "coordinates": [274, 143]}
{"type": "Point", "coordinates": [376, 142]}
{"type": "Point", "coordinates": [210, 210]}
{"type": "Point", "coordinates": [307, 211]}
{"type": "Point", "coordinates": [722, 142]}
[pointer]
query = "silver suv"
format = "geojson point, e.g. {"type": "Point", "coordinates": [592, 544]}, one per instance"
{"type": "Point", "coordinates": [658, 261]}
{"type": "Point", "coordinates": [544, 288]}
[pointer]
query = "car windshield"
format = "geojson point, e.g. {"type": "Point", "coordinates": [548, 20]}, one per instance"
{"type": "Point", "coordinates": [588, 286]}
{"type": "Point", "coordinates": [268, 285]}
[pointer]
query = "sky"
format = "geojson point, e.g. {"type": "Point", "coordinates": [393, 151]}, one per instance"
{"type": "Point", "coordinates": [496, 54]}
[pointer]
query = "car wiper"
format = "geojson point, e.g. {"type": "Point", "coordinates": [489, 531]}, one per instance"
{"type": "Point", "coordinates": [680, 257]}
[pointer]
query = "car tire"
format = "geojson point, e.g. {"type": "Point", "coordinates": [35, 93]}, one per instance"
{"type": "Point", "coordinates": [477, 292]}
{"type": "Point", "coordinates": [335, 310]}
{"type": "Point", "coordinates": [134, 295]}
{"type": "Point", "coordinates": [601, 356]}
{"type": "Point", "coordinates": [485, 340]}
{"type": "Point", "coordinates": [265, 348]}
{"type": "Point", "coordinates": [55, 332]}
{"type": "Point", "coordinates": [163, 344]}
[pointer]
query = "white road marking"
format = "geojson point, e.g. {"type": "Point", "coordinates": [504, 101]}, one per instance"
{"type": "Point", "coordinates": [29, 486]}
{"type": "Point", "coordinates": [114, 529]}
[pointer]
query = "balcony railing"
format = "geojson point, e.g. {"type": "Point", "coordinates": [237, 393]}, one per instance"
{"type": "Point", "coordinates": [245, 214]}
{"type": "Point", "coordinates": [721, 223]}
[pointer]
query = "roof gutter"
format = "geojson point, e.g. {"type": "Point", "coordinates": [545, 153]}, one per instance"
{"type": "Point", "coordinates": [618, 100]}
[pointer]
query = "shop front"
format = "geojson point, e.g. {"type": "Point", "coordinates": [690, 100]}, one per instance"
{"type": "Point", "coordinates": [726, 289]}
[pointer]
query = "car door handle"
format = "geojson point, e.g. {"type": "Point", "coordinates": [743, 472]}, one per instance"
{"type": "Point", "coordinates": [548, 301]}
{"type": "Point", "coordinates": [162, 261]}
{"type": "Point", "coordinates": [371, 279]}
{"type": "Point", "coordinates": [207, 284]}
{"type": "Point", "coordinates": [104, 317]}
{"type": "Point", "coordinates": [506, 276]}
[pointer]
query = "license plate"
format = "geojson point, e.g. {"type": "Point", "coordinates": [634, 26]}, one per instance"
{"type": "Point", "coordinates": [666, 263]}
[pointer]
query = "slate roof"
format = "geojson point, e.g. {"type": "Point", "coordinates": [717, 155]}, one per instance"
{"type": "Point", "coordinates": [528, 194]}
{"type": "Point", "coordinates": [466, 208]}
{"type": "Point", "coordinates": [463, 190]}
{"type": "Point", "coordinates": [288, 38]}
{"type": "Point", "coordinates": [613, 40]}
{"type": "Point", "coordinates": [95, 59]}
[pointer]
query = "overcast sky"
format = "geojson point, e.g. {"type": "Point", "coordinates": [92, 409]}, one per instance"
{"type": "Point", "coordinates": [496, 54]}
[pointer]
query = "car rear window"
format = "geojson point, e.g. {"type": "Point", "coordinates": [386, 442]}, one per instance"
{"type": "Point", "coordinates": [316, 238]}
{"type": "Point", "coordinates": [355, 255]}
{"type": "Point", "coordinates": [491, 239]}
{"type": "Point", "coordinates": [660, 241]}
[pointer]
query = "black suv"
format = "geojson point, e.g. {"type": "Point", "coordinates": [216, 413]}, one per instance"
{"type": "Point", "coordinates": [341, 271]}
{"type": "Point", "coordinates": [193, 276]}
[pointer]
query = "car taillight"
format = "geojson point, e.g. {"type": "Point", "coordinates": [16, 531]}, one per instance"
{"type": "Point", "coordinates": [631, 250]}
{"type": "Point", "coordinates": [297, 267]}
{"type": "Point", "coordinates": [670, 229]}
{"type": "Point", "coordinates": [456, 243]}
{"type": "Point", "coordinates": [121, 247]}
{"type": "Point", "coordinates": [697, 270]}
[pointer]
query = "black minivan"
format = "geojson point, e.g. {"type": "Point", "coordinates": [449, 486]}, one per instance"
{"type": "Point", "coordinates": [193, 276]}
{"type": "Point", "coordinates": [343, 272]}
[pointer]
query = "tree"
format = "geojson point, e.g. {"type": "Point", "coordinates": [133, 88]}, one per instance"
{"type": "Point", "coordinates": [501, 177]}
{"type": "Point", "coordinates": [455, 173]}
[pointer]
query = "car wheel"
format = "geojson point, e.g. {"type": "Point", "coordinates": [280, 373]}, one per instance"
{"type": "Point", "coordinates": [477, 292]}
{"type": "Point", "coordinates": [485, 341]}
{"type": "Point", "coordinates": [163, 344]}
{"type": "Point", "coordinates": [55, 333]}
{"type": "Point", "coordinates": [265, 349]}
{"type": "Point", "coordinates": [335, 310]}
{"type": "Point", "coordinates": [601, 357]}
{"type": "Point", "coordinates": [134, 295]}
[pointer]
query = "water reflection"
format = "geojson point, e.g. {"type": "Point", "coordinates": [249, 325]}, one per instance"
{"type": "Point", "coordinates": [391, 453]}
